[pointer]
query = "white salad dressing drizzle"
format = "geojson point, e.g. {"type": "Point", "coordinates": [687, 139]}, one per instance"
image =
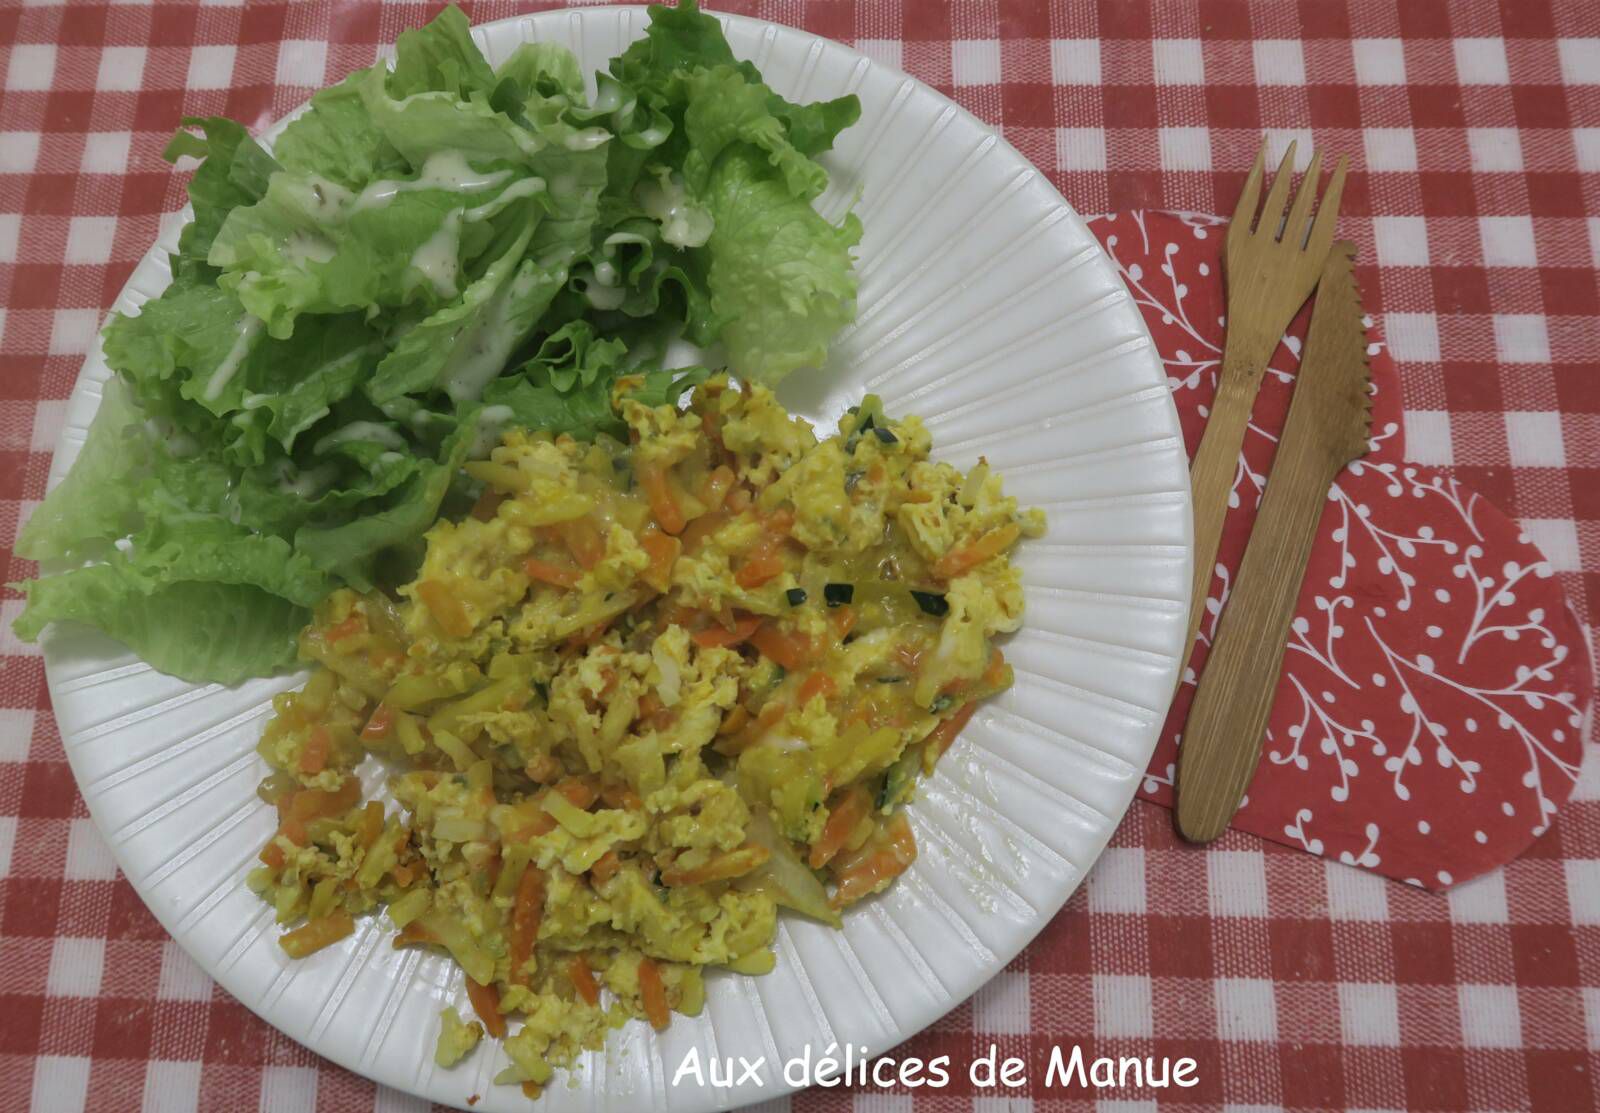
{"type": "Point", "coordinates": [586, 139]}
{"type": "Point", "coordinates": [248, 328]}
{"type": "Point", "coordinates": [665, 201]}
{"type": "Point", "coordinates": [437, 259]}
{"type": "Point", "coordinates": [305, 484]}
{"type": "Point", "coordinates": [360, 431]}
{"type": "Point", "coordinates": [441, 170]}
{"type": "Point", "coordinates": [480, 352]}
{"type": "Point", "coordinates": [308, 247]}
{"type": "Point", "coordinates": [524, 187]}
{"type": "Point", "coordinates": [490, 423]}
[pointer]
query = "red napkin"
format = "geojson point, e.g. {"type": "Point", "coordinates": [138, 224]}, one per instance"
{"type": "Point", "coordinates": [1427, 722]}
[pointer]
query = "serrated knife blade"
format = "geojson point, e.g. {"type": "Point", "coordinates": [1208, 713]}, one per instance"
{"type": "Point", "coordinates": [1330, 416]}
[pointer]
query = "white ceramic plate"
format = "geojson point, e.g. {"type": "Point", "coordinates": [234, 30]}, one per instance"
{"type": "Point", "coordinates": [988, 308]}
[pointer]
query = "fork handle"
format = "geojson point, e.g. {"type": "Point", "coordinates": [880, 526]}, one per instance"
{"type": "Point", "coordinates": [1216, 462]}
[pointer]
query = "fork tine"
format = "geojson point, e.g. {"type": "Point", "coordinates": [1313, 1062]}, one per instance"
{"type": "Point", "coordinates": [1278, 195]}
{"type": "Point", "coordinates": [1295, 228]}
{"type": "Point", "coordinates": [1321, 236]}
{"type": "Point", "coordinates": [1244, 213]}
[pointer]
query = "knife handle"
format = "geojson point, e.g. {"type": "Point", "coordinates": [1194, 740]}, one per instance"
{"type": "Point", "coordinates": [1222, 739]}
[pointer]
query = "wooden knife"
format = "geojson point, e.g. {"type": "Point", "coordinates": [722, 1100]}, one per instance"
{"type": "Point", "coordinates": [1330, 415]}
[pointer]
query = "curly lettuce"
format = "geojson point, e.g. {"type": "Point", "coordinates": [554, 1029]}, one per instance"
{"type": "Point", "coordinates": [428, 252]}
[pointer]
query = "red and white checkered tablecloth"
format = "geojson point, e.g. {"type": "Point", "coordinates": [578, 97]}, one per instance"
{"type": "Point", "coordinates": [1474, 130]}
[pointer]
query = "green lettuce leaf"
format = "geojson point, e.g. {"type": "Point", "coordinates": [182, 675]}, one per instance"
{"type": "Point", "coordinates": [96, 502]}
{"type": "Point", "coordinates": [440, 57]}
{"type": "Point", "coordinates": [352, 551]}
{"type": "Point", "coordinates": [466, 344]}
{"type": "Point", "coordinates": [234, 171]}
{"type": "Point", "coordinates": [781, 278]}
{"type": "Point", "coordinates": [200, 631]}
{"type": "Point", "coordinates": [336, 139]}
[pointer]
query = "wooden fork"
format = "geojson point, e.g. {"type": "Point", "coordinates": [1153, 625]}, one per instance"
{"type": "Point", "coordinates": [1270, 267]}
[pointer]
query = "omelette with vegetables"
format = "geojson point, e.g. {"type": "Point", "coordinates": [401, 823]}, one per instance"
{"type": "Point", "coordinates": [645, 695]}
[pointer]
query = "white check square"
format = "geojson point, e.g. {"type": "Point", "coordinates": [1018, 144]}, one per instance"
{"type": "Point", "coordinates": [1494, 149]}
{"type": "Point", "coordinates": [1580, 60]}
{"type": "Point", "coordinates": [1521, 338]}
{"type": "Point", "coordinates": [1390, 149]}
{"type": "Point", "coordinates": [1279, 61]}
{"type": "Point", "coordinates": [975, 61]}
{"type": "Point", "coordinates": [1428, 437]}
{"type": "Point", "coordinates": [1413, 336]}
{"type": "Point", "coordinates": [1402, 241]}
{"type": "Point", "coordinates": [1534, 439]}
{"type": "Point", "coordinates": [1247, 1010]}
{"type": "Point", "coordinates": [1557, 539]}
{"type": "Point", "coordinates": [89, 239]}
{"type": "Point", "coordinates": [1122, 1005]}
{"type": "Point", "coordinates": [1481, 61]}
{"type": "Point", "coordinates": [1491, 1016]}
{"type": "Point", "coordinates": [302, 62]}
{"type": "Point", "coordinates": [1075, 61]}
{"type": "Point", "coordinates": [121, 69]}
{"type": "Point", "coordinates": [1179, 62]}
{"type": "Point", "coordinates": [1185, 148]}
{"type": "Point", "coordinates": [1508, 241]}
{"type": "Point", "coordinates": [1080, 148]}
{"type": "Point", "coordinates": [1379, 61]}
{"type": "Point", "coordinates": [211, 67]}
{"type": "Point", "coordinates": [1369, 1014]}
{"type": "Point", "coordinates": [106, 152]}
{"type": "Point", "coordinates": [32, 67]}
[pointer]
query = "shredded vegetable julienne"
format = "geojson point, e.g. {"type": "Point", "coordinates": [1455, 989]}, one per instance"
{"type": "Point", "coordinates": [617, 750]}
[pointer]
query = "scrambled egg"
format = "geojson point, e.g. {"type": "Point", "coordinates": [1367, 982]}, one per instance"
{"type": "Point", "coordinates": [642, 697]}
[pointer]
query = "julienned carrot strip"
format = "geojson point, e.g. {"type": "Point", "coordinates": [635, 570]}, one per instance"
{"type": "Point", "coordinates": [414, 933]}
{"type": "Point", "coordinates": [702, 528]}
{"type": "Point", "coordinates": [653, 994]}
{"type": "Point", "coordinates": [970, 554]}
{"type": "Point", "coordinates": [888, 860]}
{"type": "Point", "coordinates": [586, 637]}
{"type": "Point", "coordinates": [351, 625]}
{"type": "Point", "coordinates": [381, 722]}
{"type": "Point", "coordinates": [713, 636]}
{"type": "Point", "coordinates": [724, 867]}
{"type": "Point", "coordinates": [446, 607]}
{"type": "Point", "coordinates": [526, 913]}
{"type": "Point", "coordinates": [580, 791]}
{"type": "Point", "coordinates": [792, 651]}
{"type": "Point", "coordinates": [663, 553]}
{"type": "Point", "coordinates": [842, 820]}
{"type": "Point", "coordinates": [940, 738]}
{"type": "Point", "coordinates": [583, 979]}
{"type": "Point", "coordinates": [817, 684]}
{"type": "Point", "coordinates": [995, 675]}
{"type": "Point", "coordinates": [547, 573]}
{"type": "Point", "coordinates": [317, 934]}
{"type": "Point", "coordinates": [717, 486]}
{"type": "Point", "coordinates": [486, 1003]}
{"type": "Point", "coordinates": [761, 568]}
{"type": "Point", "coordinates": [582, 539]}
{"type": "Point", "coordinates": [371, 825]}
{"type": "Point", "coordinates": [842, 620]}
{"type": "Point", "coordinates": [316, 803]}
{"type": "Point", "coordinates": [314, 754]}
{"type": "Point", "coordinates": [605, 867]}
{"type": "Point", "coordinates": [663, 503]}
